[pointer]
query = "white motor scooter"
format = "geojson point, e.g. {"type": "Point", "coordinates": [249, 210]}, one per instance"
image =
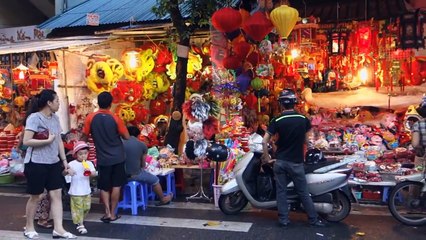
{"type": "Point", "coordinates": [329, 191]}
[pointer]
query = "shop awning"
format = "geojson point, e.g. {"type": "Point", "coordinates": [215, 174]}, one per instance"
{"type": "Point", "coordinates": [49, 44]}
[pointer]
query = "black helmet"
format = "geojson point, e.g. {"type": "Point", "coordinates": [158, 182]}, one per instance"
{"type": "Point", "coordinates": [217, 152]}
{"type": "Point", "coordinates": [287, 97]}
{"type": "Point", "coordinates": [314, 156]}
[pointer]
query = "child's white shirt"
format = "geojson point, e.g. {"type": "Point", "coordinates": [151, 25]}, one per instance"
{"type": "Point", "coordinates": [80, 184]}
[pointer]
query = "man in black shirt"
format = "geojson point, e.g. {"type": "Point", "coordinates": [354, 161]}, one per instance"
{"type": "Point", "coordinates": [292, 129]}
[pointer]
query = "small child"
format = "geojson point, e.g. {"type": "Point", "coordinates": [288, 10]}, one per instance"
{"type": "Point", "coordinates": [80, 171]}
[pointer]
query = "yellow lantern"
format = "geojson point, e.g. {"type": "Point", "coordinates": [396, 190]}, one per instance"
{"type": "Point", "coordinates": [284, 19]}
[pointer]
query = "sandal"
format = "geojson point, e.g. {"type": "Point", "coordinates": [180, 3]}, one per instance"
{"type": "Point", "coordinates": [31, 235]}
{"type": "Point", "coordinates": [116, 218]}
{"type": "Point", "coordinates": [81, 229]}
{"type": "Point", "coordinates": [66, 235]}
{"type": "Point", "coordinates": [160, 203]}
{"type": "Point", "coordinates": [105, 219]}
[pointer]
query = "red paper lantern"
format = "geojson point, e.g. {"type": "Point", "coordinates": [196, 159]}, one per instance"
{"type": "Point", "coordinates": [251, 101]}
{"type": "Point", "coordinates": [242, 49]}
{"type": "Point", "coordinates": [226, 19]}
{"type": "Point", "coordinates": [258, 26]}
{"type": "Point", "coordinates": [253, 58]}
{"type": "Point", "coordinates": [157, 107]}
{"type": "Point", "coordinates": [232, 62]}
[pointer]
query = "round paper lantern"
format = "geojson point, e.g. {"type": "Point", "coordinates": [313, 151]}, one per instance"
{"type": "Point", "coordinates": [251, 101]}
{"type": "Point", "coordinates": [284, 19]}
{"type": "Point", "coordinates": [257, 26]}
{"type": "Point", "coordinates": [157, 107]}
{"type": "Point", "coordinates": [226, 19]}
{"type": "Point", "coordinates": [232, 62]}
{"type": "Point", "coordinates": [256, 84]}
{"type": "Point", "coordinates": [253, 58]}
{"type": "Point", "coordinates": [242, 49]}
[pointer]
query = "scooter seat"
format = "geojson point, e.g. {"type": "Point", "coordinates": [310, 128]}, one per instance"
{"type": "Point", "coordinates": [310, 168]}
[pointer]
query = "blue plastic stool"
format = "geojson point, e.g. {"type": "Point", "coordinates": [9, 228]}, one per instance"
{"type": "Point", "coordinates": [149, 193]}
{"type": "Point", "coordinates": [170, 184]}
{"type": "Point", "coordinates": [133, 197]}
{"type": "Point", "coordinates": [386, 192]}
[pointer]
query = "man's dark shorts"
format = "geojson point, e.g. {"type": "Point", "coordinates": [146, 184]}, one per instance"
{"type": "Point", "coordinates": [111, 176]}
{"type": "Point", "coordinates": [43, 176]}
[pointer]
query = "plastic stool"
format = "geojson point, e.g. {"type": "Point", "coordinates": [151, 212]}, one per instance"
{"type": "Point", "coordinates": [149, 193]}
{"type": "Point", "coordinates": [133, 197]}
{"type": "Point", "coordinates": [170, 184]}
{"type": "Point", "coordinates": [386, 194]}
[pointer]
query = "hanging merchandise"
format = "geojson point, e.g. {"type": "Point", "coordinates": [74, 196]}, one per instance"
{"type": "Point", "coordinates": [147, 62]}
{"type": "Point", "coordinates": [157, 107]}
{"type": "Point", "coordinates": [226, 19]}
{"type": "Point", "coordinates": [102, 73]}
{"type": "Point", "coordinates": [125, 112]}
{"type": "Point", "coordinates": [257, 26]}
{"type": "Point", "coordinates": [284, 19]}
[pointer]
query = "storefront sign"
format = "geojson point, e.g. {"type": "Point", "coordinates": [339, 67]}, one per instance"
{"type": "Point", "coordinates": [19, 34]}
{"type": "Point", "coordinates": [92, 19]}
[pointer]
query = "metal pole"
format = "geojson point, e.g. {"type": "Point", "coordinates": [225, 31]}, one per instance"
{"type": "Point", "coordinates": [66, 91]}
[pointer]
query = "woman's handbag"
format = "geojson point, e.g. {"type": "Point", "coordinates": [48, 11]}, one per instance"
{"type": "Point", "coordinates": [42, 135]}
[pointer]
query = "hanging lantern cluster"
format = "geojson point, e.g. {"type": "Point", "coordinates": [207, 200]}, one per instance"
{"type": "Point", "coordinates": [242, 53]}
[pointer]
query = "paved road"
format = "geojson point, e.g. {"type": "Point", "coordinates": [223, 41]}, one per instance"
{"type": "Point", "coordinates": [182, 220]}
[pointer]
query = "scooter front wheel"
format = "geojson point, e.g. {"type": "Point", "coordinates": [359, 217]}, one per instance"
{"type": "Point", "coordinates": [232, 203]}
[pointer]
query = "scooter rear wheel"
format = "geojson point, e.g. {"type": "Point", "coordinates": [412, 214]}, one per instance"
{"type": "Point", "coordinates": [407, 203]}
{"type": "Point", "coordinates": [232, 203]}
{"type": "Point", "coordinates": [341, 208]}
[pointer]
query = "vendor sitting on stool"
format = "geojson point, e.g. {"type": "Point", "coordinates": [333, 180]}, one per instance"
{"type": "Point", "coordinates": [135, 163]}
